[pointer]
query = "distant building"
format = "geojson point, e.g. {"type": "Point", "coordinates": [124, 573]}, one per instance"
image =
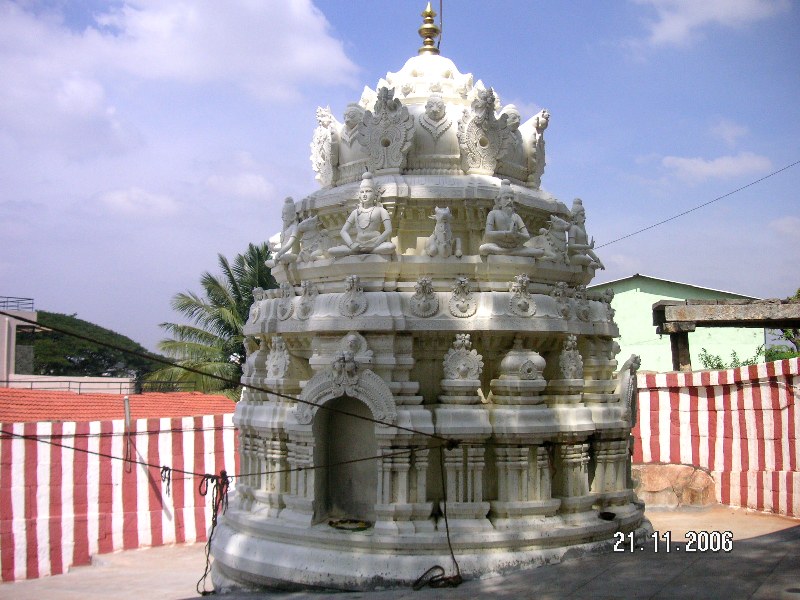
{"type": "Point", "coordinates": [634, 297]}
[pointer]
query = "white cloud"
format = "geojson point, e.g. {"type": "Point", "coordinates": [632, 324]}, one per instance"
{"type": "Point", "coordinates": [696, 170]}
{"type": "Point", "coordinates": [728, 131]}
{"type": "Point", "coordinates": [137, 202]}
{"type": "Point", "coordinates": [788, 226]}
{"type": "Point", "coordinates": [242, 185]}
{"type": "Point", "coordinates": [679, 22]}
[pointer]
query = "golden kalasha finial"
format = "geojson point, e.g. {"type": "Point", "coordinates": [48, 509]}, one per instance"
{"type": "Point", "coordinates": [429, 32]}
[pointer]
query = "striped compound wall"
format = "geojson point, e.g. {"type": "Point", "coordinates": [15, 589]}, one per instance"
{"type": "Point", "coordinates": [60, 505]}
{"type": "Point", "coordinates": [740, 424]}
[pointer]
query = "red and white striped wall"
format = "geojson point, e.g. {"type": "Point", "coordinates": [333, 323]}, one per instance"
{"type": "Point", "coordinates": [739, 424]}
{"type": "Point", "coordinates": [60, 505]}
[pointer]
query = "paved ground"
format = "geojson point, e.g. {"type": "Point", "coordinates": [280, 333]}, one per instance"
{"type": "Point", "coordinates": [764, 563]}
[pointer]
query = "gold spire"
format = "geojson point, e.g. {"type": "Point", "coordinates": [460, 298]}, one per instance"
{"type": "Point", "coordinates": [428, 32]}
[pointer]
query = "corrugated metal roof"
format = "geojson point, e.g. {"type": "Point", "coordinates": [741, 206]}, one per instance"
{"type": "Point", "coordinates": [692, 285]}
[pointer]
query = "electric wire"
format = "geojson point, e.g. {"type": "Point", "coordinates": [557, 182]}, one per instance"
{"type": "Point", "coordinates": [686, 212]}
{"type": "Point", "coordinates": [233, 382]}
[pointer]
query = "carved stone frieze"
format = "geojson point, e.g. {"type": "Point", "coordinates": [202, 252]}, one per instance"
{"type": "Point", "coordinates": [570, 360]}
{"type": "Point", "coordinates": [286, 301]}
{"type": "Point", "coordinates": [582, 308]}
{"type": "Point", "coordinates": [462, 361]}
{"type": "Point", "coordinates": [387, 133]}
{"type": "Point", "coordinates": [560, 293]}
{"type": "Point", "coordinates": [442, 243]}
{"type": "Point", "coordinates": [424, 303]}
{"type": "Point", "coordinates": [521, 302]}
{"type": "Point", "coordinates": [308, 294]}
{"type": "Point", "coordinates": [481, 134]}
{"type": "Point", "coordinates": [279, 360]}
{"type": "Point", "coordinates": [463, 302]}
{"type": "Point", "coordinates": [354, 301]}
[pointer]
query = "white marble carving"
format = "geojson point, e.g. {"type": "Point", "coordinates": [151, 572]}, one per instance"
{"type": "Point", "coordinates": [370, 223]}
{"type": "Point", "coordinates": [436, 150]}
{"type": "Point", "coordinates": [325, 147]}
{"type": "Point", "coordinates": [424, 303]}
{"type": "Point", "coordinates": [462, 368]}
{"type": "Point", "coordinates": [521, 302]}
{"type": "Point", "coordinates": [308, 295]}
{"type": "Point", "coordinates": [463, 302]}
{"type": "Point", "coordinates": [387, 133]}
{"type": "Point", "coordinates": [582, 308]}
{"type": "Point", "coordinates": [570, 360]}
{"type": "Point", "coordinates": [442, 243]}
{"type": "Point", "coordinates": [314, 240]}
{"type": "Point", "coordinates": [282, 245]}
{"type": "Point", "coordinates": [536, 158]}
{"type": "Point", "coordinates": [278, 361]}
{"type": "Point", "coordinates": [481, 135]}
{"type": "Point", "coordinates": [286, 301]}
{"type": "Point", "coordinates": [581, 250]}
{"type": "Point", "coordinates": [505, 230]}
{"type": "Point", "coordinates": [553, 240]}
{"type": "Point", "coordinates": [354, 301]}
{"type": "Point", "coordinates": [560, 293]}
{"type": "Point", "coordinates": [512, 158]}
{"type": "Point", "coordinates": [256, 363]}
{"type": "Point", "coordinates": [352, 154]}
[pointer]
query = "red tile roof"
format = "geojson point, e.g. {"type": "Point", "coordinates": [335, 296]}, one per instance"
{"type": "Point", "coordinates": [18, 405]}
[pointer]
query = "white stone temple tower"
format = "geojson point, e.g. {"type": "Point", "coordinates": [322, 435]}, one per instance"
{"type": "Point", "coordinates": [433, 287]}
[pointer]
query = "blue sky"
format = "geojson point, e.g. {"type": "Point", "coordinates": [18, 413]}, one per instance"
{"type": "Point", "coordinates": [142, 138]}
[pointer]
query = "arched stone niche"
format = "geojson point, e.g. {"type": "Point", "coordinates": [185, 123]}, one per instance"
{"type": "Point", "coordinates": [334, 424]}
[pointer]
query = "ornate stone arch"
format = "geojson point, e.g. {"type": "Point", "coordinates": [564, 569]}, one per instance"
{"type": "Point", "coordinates": [346, 378]}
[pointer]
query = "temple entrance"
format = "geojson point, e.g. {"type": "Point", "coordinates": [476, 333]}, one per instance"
{"type": "Point", "coordinates": [345, 491]}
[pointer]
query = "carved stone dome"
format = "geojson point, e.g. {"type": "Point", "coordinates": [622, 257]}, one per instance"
{"type": "Point", "coordinates": [424, 353]}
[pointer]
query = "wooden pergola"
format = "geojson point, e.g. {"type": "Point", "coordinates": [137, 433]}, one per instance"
{"type": "Point", "coordinates": [680, 317]}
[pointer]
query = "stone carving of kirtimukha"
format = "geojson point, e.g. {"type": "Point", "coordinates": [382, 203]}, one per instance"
{"type": "Point", "coordinates": [354, 301]}
{"type": "Point", "coordinates": [325, 147]}
{"type": "Point", "coordinates": [480, 135]}
{"type": "Point", "coordinates": [286, 301]}
{"type": "Point", "coordinates": [308, 294]}
{"type": "Point", "coordinates": [462, 361]}
{"type": "Point", "coordinates": [424, 303]}
{"type": "Point", "coordinates": [512, 161]}
{"type": "Point", "coordinates": [370, 223]}
{"type": "Point", "coordinates": [582, 307]}
{"type": "Point", "coordinates": [442, 243]}
{"type": "Point", "coordinates": [505, 231]}
{"type": "Point", "coordinates": [356, 344]}
{"type": "Point", "coordinates": [278, 360]}
{"type": "Point", "coordinates": [282, 245]}
{"type": "Point", "coordinates": [352, 154]}
{"type": "Point", "coordinates": [521, 302]}
{"type": "Point", "coordinates": [536, 159]}
{"type": "Point", "coordinates": [580, 249]}
{"type": "Point", "coordinates": [560, 293]}
{"type": "Point", "coordinates": [387, 133]}
{"type": "Point", "coordinates": [570, 360]}
{"type": "Point", "coordinates": [463, 303]}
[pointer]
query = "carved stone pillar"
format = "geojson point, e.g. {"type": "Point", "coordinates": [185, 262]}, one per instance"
{"type": "Point", "coordinates": [300, 499]}
{"type": "Point", "coordinates": [572, 476]}
{"type": "Point", "coordinates": [466, 510]}
{"type": "Point", "coordinates": [393, 510]}
{"type": "Point", "coordinates": [273, 481]}
{"type": "Point", "coordinates": [523, 487]}
{"type": "Point", "coordinates": [610, 475]}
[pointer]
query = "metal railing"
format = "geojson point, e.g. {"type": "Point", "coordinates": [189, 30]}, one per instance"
{"type": "Point", "coordinates": [98, 387]}
{"type": "Point", "coordinates": [14, 303]}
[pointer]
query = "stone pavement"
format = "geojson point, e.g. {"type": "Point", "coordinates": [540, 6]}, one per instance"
{"type": "Point", "coordinates": [763, 563]}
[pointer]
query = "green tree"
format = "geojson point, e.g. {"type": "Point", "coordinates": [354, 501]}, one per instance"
{"type": "Point", "coordinates": [59, 354]}
{"type": "Point", "coordinates": [213, 341]}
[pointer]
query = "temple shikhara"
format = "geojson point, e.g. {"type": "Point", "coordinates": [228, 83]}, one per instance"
{"type": "Point", "coordinates": [432, 365]}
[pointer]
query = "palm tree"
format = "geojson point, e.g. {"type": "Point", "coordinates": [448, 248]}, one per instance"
{"type": "Point", "coordinates": [213, 342]}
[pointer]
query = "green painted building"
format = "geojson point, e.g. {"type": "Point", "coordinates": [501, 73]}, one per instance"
{"type": "Point", "coordinates": [634, 297]}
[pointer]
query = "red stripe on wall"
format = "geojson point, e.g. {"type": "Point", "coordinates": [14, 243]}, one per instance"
{"type": "Point", "coordinates": [7, 544]}
{"type": "Point", "coordinates": [105, 495]}
{"type": "Point", "coordinates": [760, 407]}
{"type": "Point", "coordinates": [791, 415]}
{"type": "Point", "coordinates": [56, 520]}
{"type": "Point", "coordinates": [31, 510]}
{"type": "Point", "coordinates": [130, 525]}
{"type": "Point", "coordinates": [674, 426]}
{"type": "Point", "coordinates": [199, 466]}
{"type": "Point", "coordinates": [80, 501]}
{"type": "Point", "coordinates": [712, 427]}
{"type": "Point", "coordinates": [155, 501]}
{"type": "Point", "coordinates": [176, 488]}
{"type": "Point", "coordinates": [655, 448]}
{"type": "Point", "coordinates": [744, 447]}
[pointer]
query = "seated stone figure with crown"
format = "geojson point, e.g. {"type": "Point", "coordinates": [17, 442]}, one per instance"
{"type": "Point", "coordinates": [579, 247]}
{"type": "Point", "coordinates": [282, 245]}
{"type": "Point", "coordinates": [366, 221]}
{"type": "Point", "coordinates": [505, 231]}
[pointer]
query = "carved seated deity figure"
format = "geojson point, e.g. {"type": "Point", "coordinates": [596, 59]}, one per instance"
{"type": "Point", "coordinates": [282, 245]}
{"type": "Point", "coordinates": [369, 222]}
{"type": "Point", "coordinates": [505, 231]}
{"type": "Point", "coordinates": [512, 161]}
{"type": "Point", "coordinates": [313, 239]}
{"type": "Point", "coordinates": [579, 248]}
{"type": "Point", "coordinates": [352, 155]}
{"type": "Point", "coordinates": [436, 149]}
